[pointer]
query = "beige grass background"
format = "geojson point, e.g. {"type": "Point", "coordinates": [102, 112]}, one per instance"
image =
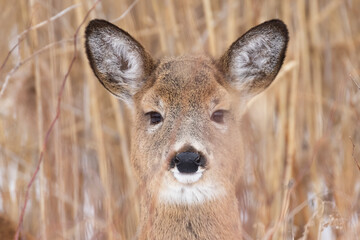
{"type": "Point", "coordinates": [302, 178]}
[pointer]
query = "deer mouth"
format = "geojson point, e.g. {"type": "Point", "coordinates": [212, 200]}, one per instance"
{"type": "Point", "coordinates": [187, 178]}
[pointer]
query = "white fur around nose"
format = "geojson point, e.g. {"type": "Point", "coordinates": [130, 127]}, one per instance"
{"type": "Point", "coordinates": [187, 178]}
{"type": "Point", "coordinates": [174, 192]}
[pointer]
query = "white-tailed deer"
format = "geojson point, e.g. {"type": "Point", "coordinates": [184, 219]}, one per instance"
{"type": "Point", "coordinates": [186, 144]}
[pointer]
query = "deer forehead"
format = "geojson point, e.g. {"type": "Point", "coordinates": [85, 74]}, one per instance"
{"type": "Point", "coordinates": [186, 82]}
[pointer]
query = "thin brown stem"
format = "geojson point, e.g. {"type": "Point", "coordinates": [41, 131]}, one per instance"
{"type": "Point", "coordinates": [16, 237]}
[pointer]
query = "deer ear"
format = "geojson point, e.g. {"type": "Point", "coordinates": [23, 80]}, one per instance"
{"type": "Point", "coordinates": [253, 61]}
{"type": "Point", "coordinates": [118, 61]}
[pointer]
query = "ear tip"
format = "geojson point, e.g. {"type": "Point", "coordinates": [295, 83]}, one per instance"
{"type": "Point", "coordinates": [279, 26]}
{"type": "Point", "coordinates": [95, 24]}
{"type": "Point", "coordinates": [100, 26]}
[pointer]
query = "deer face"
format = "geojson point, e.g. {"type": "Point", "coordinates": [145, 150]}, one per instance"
{"type": "Point", "coordinates": [186, 139]}
{"type": "Point", "coordinates": [186, 128]}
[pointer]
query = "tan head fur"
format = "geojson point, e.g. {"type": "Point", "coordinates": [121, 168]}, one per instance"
{"type": "Point", "coordinates": [186, 141]}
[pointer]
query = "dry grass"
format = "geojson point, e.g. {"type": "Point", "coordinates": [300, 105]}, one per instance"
{"type": "Point", "coordinates": [303, 134]}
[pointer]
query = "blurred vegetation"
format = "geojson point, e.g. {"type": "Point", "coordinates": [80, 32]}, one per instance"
{"type": "Point", "coordinates": [302, 178]}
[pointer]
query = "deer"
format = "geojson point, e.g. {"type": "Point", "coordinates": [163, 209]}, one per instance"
{"type": "Point", "coordinates": [186, 140]}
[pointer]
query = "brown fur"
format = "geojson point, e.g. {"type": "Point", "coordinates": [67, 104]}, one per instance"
{"type": "Point", "coordinates": [186, 92]}
{"type": "Point", "coordinates": [205, 221]}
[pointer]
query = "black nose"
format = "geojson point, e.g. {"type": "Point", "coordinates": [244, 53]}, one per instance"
{"type": "Point", "coordinates": [188, 162]}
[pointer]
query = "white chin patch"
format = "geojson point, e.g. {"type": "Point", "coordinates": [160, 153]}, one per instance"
{"type": "Point", "coordinates": [187, 178]}
{"type": "Point", "coordinates": [186, 189]}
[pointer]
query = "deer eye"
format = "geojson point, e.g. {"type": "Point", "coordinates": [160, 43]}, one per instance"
{"type": "Point", "coordinates": [155, 117]}
{"type": "Point", "coordinates": [218, 116]}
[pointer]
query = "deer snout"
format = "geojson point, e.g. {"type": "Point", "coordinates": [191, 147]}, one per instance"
{"type": "Point", "coordinates": [188, 162]}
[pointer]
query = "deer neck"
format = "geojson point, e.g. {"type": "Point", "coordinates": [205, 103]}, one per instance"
{"type": "Point", "coordinates": [217, 219]}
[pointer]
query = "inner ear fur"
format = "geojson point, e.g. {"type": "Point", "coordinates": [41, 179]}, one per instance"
{"type": "Point", "coordinates": [253, 60]}
{"type": "Point", "coordinates": [119, 62]}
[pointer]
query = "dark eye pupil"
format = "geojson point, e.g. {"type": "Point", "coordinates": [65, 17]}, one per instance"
{"type": "Point", "coordinates": [155, 118]}
{"type": "Point", "coordinates": [218, 116]}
